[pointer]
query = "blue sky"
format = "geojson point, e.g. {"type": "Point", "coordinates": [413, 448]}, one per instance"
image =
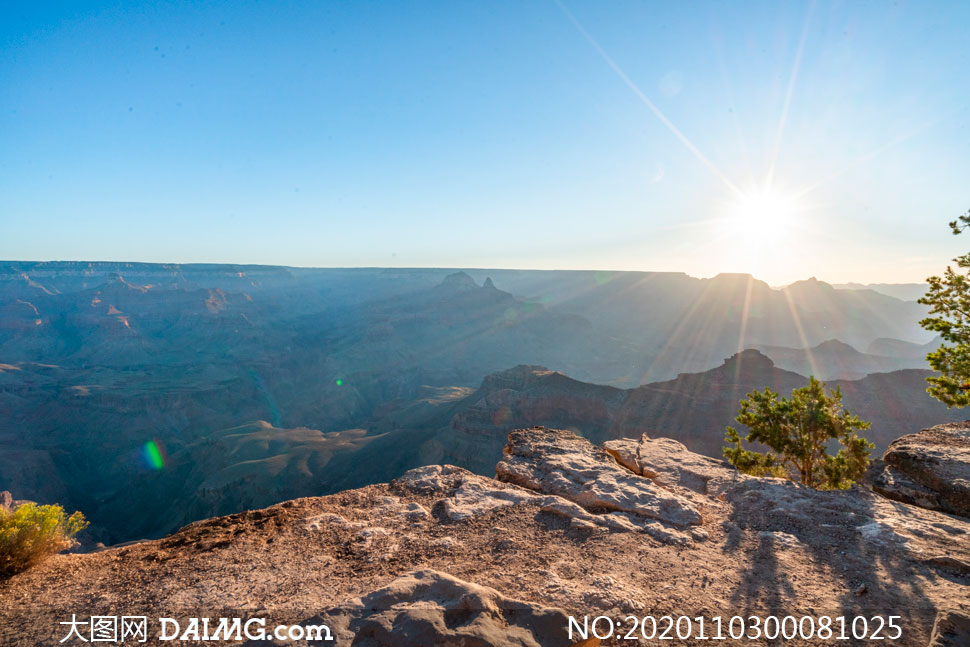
{"type": "Point", "coordinates": [489, 134]}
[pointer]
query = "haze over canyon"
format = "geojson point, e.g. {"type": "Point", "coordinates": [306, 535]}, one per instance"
{"type": "Point", "coordinates": [125, 386]}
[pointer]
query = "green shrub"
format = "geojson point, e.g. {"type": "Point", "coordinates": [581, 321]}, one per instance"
{"type": "Point", "coordinates": [31, 533]}
{"type": "Point", "coordinates": [797, 431]}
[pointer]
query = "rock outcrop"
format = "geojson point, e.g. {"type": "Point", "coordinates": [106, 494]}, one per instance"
{"type": "Point", "coordinates": [668, 463]}
{"type": "Point", "coordinates": [428, 607]}
{"type": "Point", "coordinates": [561, 463]}
{"type": "Point", "coordinates": [466, 496]}
{"type": "Point", "coordinates": [442, 556]}
{"type": "Point", "coordinates": [930, 469]}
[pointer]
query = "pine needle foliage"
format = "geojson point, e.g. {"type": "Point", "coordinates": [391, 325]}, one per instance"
{"type": "Point", "coordinates": [949, 300]}
{"type": "Point", "coordinates": [797, 431]}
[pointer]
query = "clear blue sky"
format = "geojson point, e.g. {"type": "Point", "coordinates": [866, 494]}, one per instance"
{"type": "Point", "coordinates": [489, 134]}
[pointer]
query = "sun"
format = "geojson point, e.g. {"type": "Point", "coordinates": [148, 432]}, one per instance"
{"type": "Point", "coordinates": [760, 217]}
{"type": "Point", "coordinates": [763, 209]}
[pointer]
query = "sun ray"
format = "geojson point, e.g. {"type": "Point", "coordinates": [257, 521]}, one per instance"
{"type": "Point", "coordinates": [776, 149]}
{"type": "Point", "coordinates": [744, 326]}
{"type": "Point", "coordinates": [801, 331]}
{"type": "Point", "coordinates": [735, 120]}
{"type": "Point", "coordinates": [647, 102]}
{"type": "Point", "coordinates": [862, 159]}
{"type": "Point", "coordinates": [744, 312]}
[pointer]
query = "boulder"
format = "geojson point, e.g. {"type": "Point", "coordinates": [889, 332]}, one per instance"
{"type": "Point", "coordinates": [430, 608]}
{"type": "Point", "coordinates": [561, 463]}
{"type": "Point", "coordinates": [6, 500]}
{"type": "Point", "coordinates": [892, 483]}
{"type": "Point", "coordinates": [669, 462]}
{"type": "Point", "coordinates": [930, 469]}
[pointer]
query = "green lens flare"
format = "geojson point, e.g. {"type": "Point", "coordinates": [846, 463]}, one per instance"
{"type": "Point", "coordinates": [153, 455]}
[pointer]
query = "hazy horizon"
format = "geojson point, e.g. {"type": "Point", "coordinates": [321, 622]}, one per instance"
{"type": "Point", "coordinates": [460, 269]}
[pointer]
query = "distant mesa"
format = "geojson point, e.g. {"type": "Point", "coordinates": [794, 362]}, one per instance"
{"type": "Point", "coordinates": [462, 282]}
{"type": "Point", "coordinates": [734, 277]}
{"type": "Point", "coordinates": [750, 358]}
{"type": "Point", "coordinates": [516, 378]}
{"type": "Point", "coordinates": [834, 345]}
{"type": "Point", "coordinates": [903, 349]}
{"type": "Point", "coordinates": [809, 286]}
{"type": "Point", "coordinates": [459, 281]}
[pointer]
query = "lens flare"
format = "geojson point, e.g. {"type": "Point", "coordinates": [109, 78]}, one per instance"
{"type": "Point", "coordinates": [153, 455]}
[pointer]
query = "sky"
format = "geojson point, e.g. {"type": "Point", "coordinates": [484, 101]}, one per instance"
{"type": "Point", "coordinates": [783, 139]}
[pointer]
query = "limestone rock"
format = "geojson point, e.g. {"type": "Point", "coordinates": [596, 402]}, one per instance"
{"type": "Point", "coordinates": [894, 484]}
{"type": "Point", "coordinates": [412, 511]}
{"type": "Point", "coordinates": [465, 495]}
{"type": "Point", "coordinates": [476, 496]}
{"type": "Point", "coordinates": [930, 469]}
{"type": "Point", "coordinates": [428, 607]}
{"type": "Point", "coordinates": [468, 495]}
{"type": "Point", "coordinates": [951, 629]}
{"type": "Point", "coordinates": [561, 463]}
{"type": "Point", "coordinates": [669, 462]}
{"type": "Point", "coordinates": [432, 479]}
{"type": "Point", "coordinates": [6, 500]}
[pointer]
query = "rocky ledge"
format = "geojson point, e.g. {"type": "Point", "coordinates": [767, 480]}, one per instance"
{"type": "Point", "coordinates": [930, 469]}
{"type": "Point", "coordinates": [442, 556]}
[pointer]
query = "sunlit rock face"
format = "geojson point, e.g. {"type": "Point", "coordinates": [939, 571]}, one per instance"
{"type": "Point", "coordinates": [560, 463]}
{"type": "Point", "coordinates": [930, 469]}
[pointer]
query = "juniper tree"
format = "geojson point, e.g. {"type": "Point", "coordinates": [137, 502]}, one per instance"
{"type": "Point", "coordinates": [798, 431]}
{"type": "Point", "coordinates": [949, 300]}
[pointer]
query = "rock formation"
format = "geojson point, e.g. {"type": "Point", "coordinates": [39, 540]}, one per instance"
{"type": "Point", "coordinates": [442, 556]}
{"type": "Point", "coordinates": [668, 463]}
{"type": "Point", "coordinates": [930, 469]}
{"type": "Point", "coordinates": [561, 463]}
{"type": "Point", "coordinates": [952, 629]}
{"type": "Point", "coordinates": [432, 608]}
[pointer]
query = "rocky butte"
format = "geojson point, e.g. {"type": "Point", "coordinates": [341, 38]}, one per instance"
{"type": "Point", "coordinates": [442, 556]}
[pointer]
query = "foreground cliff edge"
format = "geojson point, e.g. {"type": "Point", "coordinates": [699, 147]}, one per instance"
{"type": "Point", "coordinates": [444, 556]}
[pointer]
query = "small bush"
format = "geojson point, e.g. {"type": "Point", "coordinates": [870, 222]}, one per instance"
{"type": "Point", "coordinates": [31, 533]}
